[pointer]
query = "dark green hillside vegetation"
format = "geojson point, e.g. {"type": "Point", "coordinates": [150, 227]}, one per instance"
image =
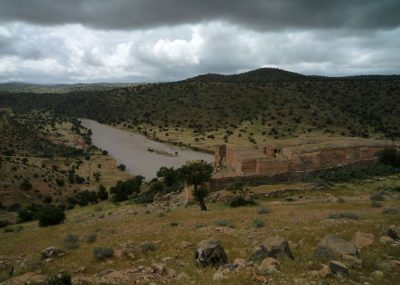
{"type": "Point", "coordinates": [278, 103]}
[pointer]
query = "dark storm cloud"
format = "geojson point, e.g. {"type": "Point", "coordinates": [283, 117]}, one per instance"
{"type": "Point", "coordinates": [256, 14]}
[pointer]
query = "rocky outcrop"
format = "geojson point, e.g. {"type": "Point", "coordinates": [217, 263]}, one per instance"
{"type": "Point", "coordinates": [276, 247]}
{"type": "Point", "coordinates": [362, 240]}
{"type": "Point", "coordinates": [52, 252]}
{"type": "Point", "coordinates": [394, 232]}
{"type": "Point", "coordinates": [210, 252]}
{"type": "Point", "coordinates": [331, 247]}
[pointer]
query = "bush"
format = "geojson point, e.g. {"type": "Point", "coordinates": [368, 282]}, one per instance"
{"type": "Point", "coordinates": [148, 246]}
{"type": "Point", "coordinates": [4, 224]}
{"type": "Point", "coordinates": [71, 241]}
{"type": "Point", "coordinates": [64, 279]}
{"type": "Point", "coordinates": [124, 189]}
{"type": "Point", "coordinates": [50, 215]}
{"type": "Point", "coordinates": [376, 204]}
{"type": "Point", "coordinates": [91, 238]}
{"type": "Point", "coordinates": [224, 223]}
{"type": "Point", "coordinates": [390, 156]}
{"type": "Point", "coordinates": [26, 185]}
{"type": "Point", "coordinates": [103, 253]}
{"type": "Point", "coordinates": [121, 167]}
{"type": "Point", "coordinates": [258, 223]}
{"type": "Point", "coordinates": [102, 193]}
{"type": "Point", "coordinates": [344, 215]}
{"type": "Point", "coordinates": [377, 197]}
{"type": "Point", "coordinates": [390, 211]}
{"type": "Point", "coordinates": [174, 224]}
{"type": "Point", "coordinates": [263, 210]}
{"type": "Point", "coordinates": [239, 201]}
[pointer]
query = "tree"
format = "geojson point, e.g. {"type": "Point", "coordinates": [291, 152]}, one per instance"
{"type": "Point", "coordinates": [390, 156]}
{"type": "Point", "coordinates": [26, 185]}
{"type": "Point", "coordinates": [49, 215]}
{"type": "Point", "coordinates": [102, 193]}
{"type": "Point", "coordinates": [124, 189]}
{"type": "Point", "coordinates": [197, 174]}
{"type": "Point", "coordinates": [97, 176]}
{"type": "Point", "coordinates": [236, 187]}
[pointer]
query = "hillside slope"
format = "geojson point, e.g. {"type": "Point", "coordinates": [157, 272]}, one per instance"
{"type": "Point", "coordinates": [244, 106]}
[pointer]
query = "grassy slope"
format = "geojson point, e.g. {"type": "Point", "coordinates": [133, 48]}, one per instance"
{"type": "Point", "coordinates": [302, 222]}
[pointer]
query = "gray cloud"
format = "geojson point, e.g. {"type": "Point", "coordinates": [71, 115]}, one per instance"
{"type": "Point", "coordinates": [49, 41]}
{"type": "Point", "coordinates": [262, 15]}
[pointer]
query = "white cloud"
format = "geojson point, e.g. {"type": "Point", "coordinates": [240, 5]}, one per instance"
{"type": "Point", "coordinates": [75, 53]}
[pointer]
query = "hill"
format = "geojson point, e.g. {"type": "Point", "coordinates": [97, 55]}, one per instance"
{"type": "Point", "coordinates": [238, 109]}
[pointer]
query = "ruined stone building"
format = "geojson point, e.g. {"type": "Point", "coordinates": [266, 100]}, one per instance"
{"type": "Point", "coordinates": [296, 155]}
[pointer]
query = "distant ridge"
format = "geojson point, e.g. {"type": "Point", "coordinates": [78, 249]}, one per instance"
{"type": "Point", "coordinates": [278, 75]}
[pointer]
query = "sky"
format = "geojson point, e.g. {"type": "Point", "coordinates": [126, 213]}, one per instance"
{"type": "Point", "coordinates": [71, 41]}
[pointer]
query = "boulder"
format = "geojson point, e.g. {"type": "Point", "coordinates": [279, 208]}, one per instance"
{"type": "Point", "coordinates": [394, 232]}
{"type": "Point", "coordinates": [276, 246]}
{"type": "Point", "coordinates": [386, 239]}
{"type": "Point", "coordinates": [321, 273]}
{"type": "Point", "coordinates": [377, 275]}
{"type": "Point", "coordinates": [362, 240]}
{"type": "Point", "coordinates": [29, 278]}
{"type": "Point", "coordinates": [52, 252]}
{"type": "Point", "coordinates": [338, 268]}
{"type": "Point", "coordinates": [210, 252]}
{"type": "Point", "coordinates": [185, 245]}
{"type": "Point", "coordinates": [332, 246]}
{"type": "Point", "coordinates": [268, 265]}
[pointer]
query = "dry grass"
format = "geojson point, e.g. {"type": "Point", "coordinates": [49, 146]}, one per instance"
{"type": "Point", "coordinates": [302, 222]}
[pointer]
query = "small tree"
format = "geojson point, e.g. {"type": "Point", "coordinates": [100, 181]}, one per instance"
{"type": "Point", "coordinates": [50, 215]}
{"type": "Point", "coordinates": [197, 174]}
{"type": "Point", "coordinates": [102, 193]}
{"type": "Point", "coordinates": [238, 187]}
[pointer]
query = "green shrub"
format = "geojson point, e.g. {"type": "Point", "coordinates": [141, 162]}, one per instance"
{"type": "Point", "coordinates": [148, 246]}
{"type": "Point", "coordinates": [258, 223]}
{"type": "Point", "coordinates": [224, 223]}
{"type": "Point", "coordinates": [376, 204]}
{"type": "Point", "coordinates": [50, 215]}
{"type": "Point", "coordinates": [344, 215]}
{"type": "Point", "coordinates": [390, 211]}
{"type": "Point", "coordinates": [71, 241]}
{"type": "Point", "coordinates": [91, 238]}
{"type": "Point", "coordinates": [174, 224]}
{"type": "Point", "coordinates": [263, 210]}
{"type": "Point", "coordinates": [4, 224]}
{"type": "Point", "coordinates": [377, 197]}
{"type": "Point", "coordinates": [103, 253]}
{"type": "Point", "coordinates": [390, 156]}
{"type": "Point", "coordinates": [239, 201]}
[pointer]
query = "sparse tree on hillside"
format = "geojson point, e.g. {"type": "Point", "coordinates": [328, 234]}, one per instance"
{"type": "Point", "coordinates": [197, 174]}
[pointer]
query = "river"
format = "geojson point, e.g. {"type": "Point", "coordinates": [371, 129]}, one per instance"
{"type": "Point", "coordinates": [132, 150]}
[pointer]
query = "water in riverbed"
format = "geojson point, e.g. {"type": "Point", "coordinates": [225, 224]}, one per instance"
{"type": "Point", "coordinates": [132, 150]}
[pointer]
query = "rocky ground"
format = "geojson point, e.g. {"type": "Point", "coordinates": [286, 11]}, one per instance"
{"type": "Point", "coordinates": [344, 234]}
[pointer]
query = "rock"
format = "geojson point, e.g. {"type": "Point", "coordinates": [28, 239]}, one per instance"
{"type": "Point", "coordinates": [29, 278]}
{"type": "Point", "coordinates": [362, 240]}
{"type": "Point", "coordinates": [386, 239]}
{"type": "Point", "coordinates": [52, 252]}
{"type": "Point", "coordinates": [276, 246]}
{"type": "Point", "coordinates": [394, 232]}
{"type": "Point", "coordinates": [183, 277]}
{"type": "Point", "coordinates": [185, 245]}
{"type": "Point", "coordinates": [337, 267]}
{"type": "Point", "coordinates": [218, 276]}
{"type": "Point", "coordinates": [332, 246]}
{"type": "Point", "coordinates": [210, 252]}
{"type": "Point", "coordinates": [354, 261]}
{"type": "Point", "coordinates": [241, 263]}
{"type": "Point", "coordinates": [322, 273]}
{"type": "Point", "coordinates": [84, 280]}
{"type": "Point", "coordinates": [268, 265]}
{"type": "Point", "coordinates": [377, 275]}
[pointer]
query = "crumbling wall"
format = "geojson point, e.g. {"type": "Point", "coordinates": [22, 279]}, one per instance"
{"type": "Point", "coordinates": [271, 167]}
